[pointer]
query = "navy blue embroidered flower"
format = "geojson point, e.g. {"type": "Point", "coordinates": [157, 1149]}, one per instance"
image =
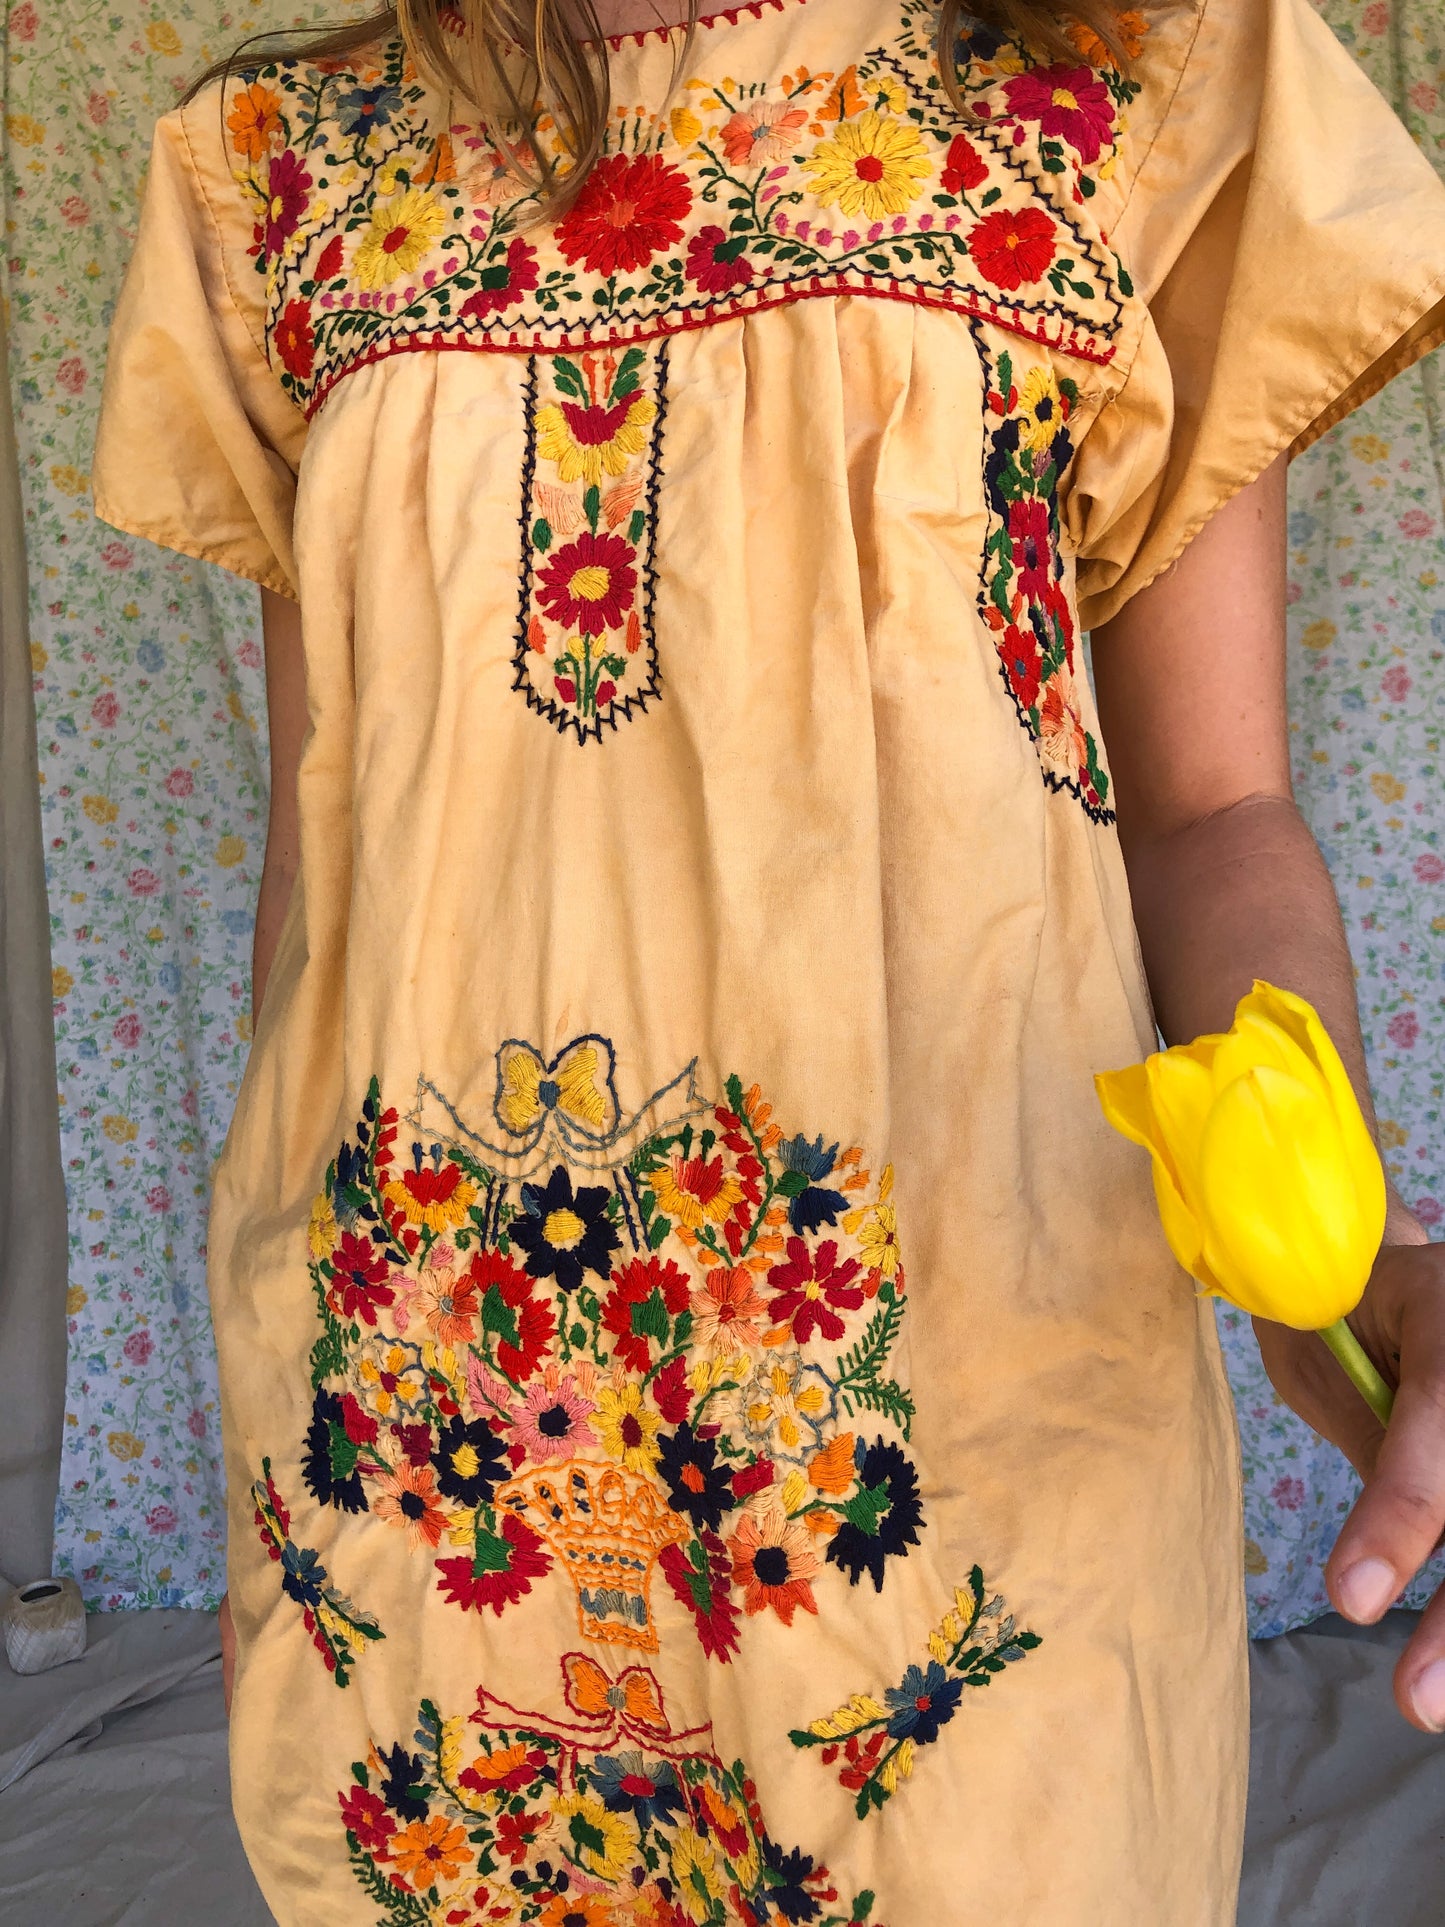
{"type": "Point", "coordinates": [362, 109]}
{"type": "Point", "coordinates": [302, 1575]}
{"type": "Point", "coordinates": [925, 1701]}
{"type": "Point", "coordinates": [627, 1783]}
{"type": "Point", "coordinates": [783, 1878]}
{"type": "Point", "coordinates": [565, 1234]}
{"type": "Point", "coordinates": [471, 1461]}
{"type": "Point", "coordinates": [881, 1517]}
{"type": "Point", "coordinates": [330, 1460]}
{"type": "Point", "coordinates": [697, 1486]}
{"type": "Point", "coordinates": [403, 1785]}
{"type": "Point", "coordinates": [811, 1203]}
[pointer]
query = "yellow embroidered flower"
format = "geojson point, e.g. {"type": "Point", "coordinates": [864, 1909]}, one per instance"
{"type": "Point", "coordinates": [782, 1406]}
{"type": "Point", "coordinates": [255, 121]}
{"type": "Point", "coordinates": [1040, 410]}
{"type": "Point", "coordinates": [872, 166]}
{"type": "Point", "coordinates": [588, 443]}
{"type": "Point", "coordinates": [402, 233]}
{"type": "Point", "coordinates": [322, 1232]}
{"type": "Point", "coordinates": [390, 1375]}
{"type": "Point", "coordinates": [695, 1875]}
{"type": "Point", "coordinates": [627, 1429]}
{"type": "Point", "coordinates": [438, 1197]}
{"type": "Point", "coordinates": [601, 1843]}
{"type": "Point", "coordinates": [876, 1229]}
{"type": "Point", "coordinates": [694, 1189]}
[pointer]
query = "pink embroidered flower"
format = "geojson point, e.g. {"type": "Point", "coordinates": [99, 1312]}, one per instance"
{"type": "Point", "coordinates": [364, 1814]}
{"type": "Point", "coordinates": [812, 1288]}
{"type": "Point", "coordinates": [1069, 103]}
{"type": "Point", "coordinates": [728, 1313]}
{"type": "Point", "coordinates": [715, 264]}
{"type": "Point", "coordinates": [552, 1423]}
{"type": "Point", "coordinates": [287, 186]}
{"type": "Point", "coordinates": [764, 133]}
{"type": "Point", "coordinates": [589, 584]}
{"type": "Point", "coordinates": [1033, 554]}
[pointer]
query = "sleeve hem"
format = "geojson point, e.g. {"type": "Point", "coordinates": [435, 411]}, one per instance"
{"type": "Point", "coordinates": [264, 578]}
{"type": "Point", "coordinates": [1415, 331]}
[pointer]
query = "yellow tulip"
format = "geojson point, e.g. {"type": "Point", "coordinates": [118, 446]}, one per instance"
{"type": "Point", "coordinates": [1269, 1185]}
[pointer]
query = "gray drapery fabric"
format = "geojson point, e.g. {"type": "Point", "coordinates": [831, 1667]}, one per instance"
{"type": "Point", "coordinates": [32, 1191]}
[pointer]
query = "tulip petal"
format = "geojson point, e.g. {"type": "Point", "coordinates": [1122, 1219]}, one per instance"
{"type": "Point", "coordinates": [1277, 1196]}
{"type": "Point", "coordinates": [1124, 1100]}
{"type": "Point", "coordinates": [1181, 1091]}
{"type": "Point", "coordinates": [1182, 1230]}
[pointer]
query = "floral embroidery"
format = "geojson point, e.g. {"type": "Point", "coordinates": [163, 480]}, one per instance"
{"type": "Point", "coordinates": [339, 1631]}
{"type": "Point", "coordinates": [1023, 595]}
{"type": "Point", "coordinates": [610, 1343]}
{"type": "Point", "coordinates": [380, 228]}
{"type": "Point", "coordinates": [603, 1815]}
{"type": "Point", "coordinates": [878, 1740]}
{"type": "Point", "coordinates": [586, 652]}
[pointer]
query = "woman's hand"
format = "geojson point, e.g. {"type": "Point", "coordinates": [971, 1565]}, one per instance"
{"type": "Point", "coordinates": [1399, 1518]}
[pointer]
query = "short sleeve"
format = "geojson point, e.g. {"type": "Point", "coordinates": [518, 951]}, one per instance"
{"type": "Point", "coordinates": [199, 445]}
{"type": "Point", "coordinates": [1286, 240]}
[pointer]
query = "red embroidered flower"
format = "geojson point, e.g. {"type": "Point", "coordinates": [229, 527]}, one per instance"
{"type": "Point", "coordinates": [365, 1815]}
{"type": "Point", "coordinates": [500, 1572]}
{"type": "Point", "coordinates": [521, 1323]}
{"type": "Point", "coordinates": [1013, 245]}
{"type": "Point", "coordinates": [296, 340]}
{"type": "Point", "coordinates": [671, 1393]}
{"type": "Point", "coordinates": [700, 1576]}
{"type": "Point", "coordinates": [811, 1288]}
{"type": "Point", "coordinates": [1022, 664]}
{"type": "Point", "coordinates": [287, 185]}
{"type": "Point", "coordinates": [589, 584]}
{"type": "Point", "coordinates": [715, 263]}
{"type": "Point", "coordinates": [506, 1771]}
{"type": "Point", "coordinates": [1069, 103]}
{"type": "Point", "coordinates": [1033, 550]}
{"type": "Point", "coordinates": [358, 1285]}
{"type": "Point", "coordinates": [332, 255]}
{"type": "Point", "coordinates": [964, 168]}
{"type": "Point", "coordinates": [503, 282]}
{"type": "Point", "coordinates": [631, 208]}
{"type": "Point", "coordinates": [646, 1296]}
{"type": "Point", "coordinates": [516, 1832]}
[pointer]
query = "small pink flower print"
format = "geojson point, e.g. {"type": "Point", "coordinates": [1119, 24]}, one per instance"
{"type": "Point", "coordinates": [1424, 97]}
{"type": "Point", "coordinates": [160, 1519]}
{"type": "Point", "coordinates": [1429, 1211]}
{"type": "Point", "coordinates": [128, 1031]}
{"type": "Point", "coordinates": [1404, 1029]}
{"type": "Point", "coordinates": [23, 21]}
{"type": "Point", "coordinates": [196, 1424]}
{"type": "Point", "coordinates": [138, 1347]}
{"type": "Point", "coordinates": [98, 107]}
{"type": "Point", "coordinates": [1416, 524]}
{"type": "Point", "coordinates": [75, 210]}
{"type": "Point", "coordinates": [249, 655]}
{"type": "Point", "coordinates": [1395, 683]}
{"type": "Point", "coordinates": [143, 883]}
{"type": "Point", "coordinates": [116, 555]}
{"type": "Point", "coordinates": [1430, 868]}
{"type": "Point", "coordinates": [158, 1198]}
{"type": "Point", "coordinates": [180, 782]}
{"type": "Point", "coordinates": [1288, 1493]}
{"type": "Point", "coordinates": [1376, 17]}
{"type": "Point", "coordinates": [71, 374]}
{"type": "Point", "coordinates": [105, 710]}
{"type": "Point", "coordinates": [189, 1105]}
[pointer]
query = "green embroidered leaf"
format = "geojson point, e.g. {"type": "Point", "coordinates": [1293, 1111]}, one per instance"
{"type": "Point", "coordinates": [650, 1319]}
{"type": "Point", "coordinates": [499, 1317]}
{"type": "Point", "coordinates": [592, 505]}
{"type": "Point", "coordinates": [636, 526]}
{"type": "Point", "coordinates": [542, 534]}
{"type": "Point", "coordinates": [885, 1397]}
{"type": "Point", "coordinates": [658, 1231]}
{"type": "Point", "coordinates": [627, 373]}
{"type": "Point", "coordinates": [568, 377]}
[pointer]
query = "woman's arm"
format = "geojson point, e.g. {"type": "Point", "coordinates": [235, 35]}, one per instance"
{"type": "Point", "coordinates": [286, 718]}
{"type": "Point", "coordinates": [1229, 885]}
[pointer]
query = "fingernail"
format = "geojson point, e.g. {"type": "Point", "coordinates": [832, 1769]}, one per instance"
{"type": "Point", "coordinates": [1428, 1696]}
{"type": "Point", "coordinates": [1366, 1590]}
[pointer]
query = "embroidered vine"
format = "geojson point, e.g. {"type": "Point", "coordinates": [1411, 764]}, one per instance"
{"type": "Point", "coordinates": [339, 1631]}
{"type": "Point", "coordinates": [586, 651]}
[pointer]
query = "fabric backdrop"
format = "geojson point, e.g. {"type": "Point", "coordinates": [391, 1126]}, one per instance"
{"type": "Point", "coordinates": [152, 752]}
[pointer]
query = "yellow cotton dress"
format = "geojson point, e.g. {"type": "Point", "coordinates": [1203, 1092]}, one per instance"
{"type": "Point", "coordinates": [710, 919]}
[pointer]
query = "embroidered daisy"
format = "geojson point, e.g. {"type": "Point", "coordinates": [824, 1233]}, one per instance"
{"type": "Point", "coordinates": [627, 1429]}
{"type": "Point", "coordinates": [695, 1190]}
{"type": "Point", "coordinates": [255, 121]}
{"type": "Point", "coordinates": [775, 1564]}
{"type": "Point", "coordinates": [431, 1849]}
{"type": "Point", "coordinates": [873, 166]}
{"type": "Point", "coordinates": [552, 1423]}
{"type": "Point", "coordinates": [601, 1843]}
{"type": "Point", "coordinates": [402, 233]}
{"type": "Point", "coordinates": [728, 1313]}
{"type": "Point", "coordinates": [407, 1497]}
{"type": "Point", "coordinates": [435, 1195]}
{"type": "Point", "coordinates": [762, 133]}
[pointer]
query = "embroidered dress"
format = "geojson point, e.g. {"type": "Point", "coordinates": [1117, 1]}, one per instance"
{"type": "Point", "coordinates": [709, 920]}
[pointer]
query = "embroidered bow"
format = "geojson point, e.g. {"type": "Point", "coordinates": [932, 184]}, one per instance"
{"type": "Point", "coordinates": [576, 1086]}
{"type": "Point", "coordinates": [610, 1711]}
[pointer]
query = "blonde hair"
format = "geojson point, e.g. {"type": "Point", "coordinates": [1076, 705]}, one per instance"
{"type": "Point", "coordinates": [516, 60]}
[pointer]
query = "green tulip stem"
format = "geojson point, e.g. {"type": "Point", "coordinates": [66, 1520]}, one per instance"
{"type": "Point", "coordinates": [1358, 1369]}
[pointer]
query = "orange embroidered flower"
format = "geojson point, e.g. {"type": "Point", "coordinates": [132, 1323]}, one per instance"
{"type": "Point", "coordinates": [1131, 28]}
{"type": "Point", "coordinates": [578, 1910]}
{"type": "Point", "coordinates": [255, 121]}
{"type": "Point", "coordinates": [728, 1312]}
{"type": "Point", "coordinates": [408, 1497]}
{"type": "Point", "coordinates": [437, 1196]}
{"type": "Point", "coordinates": [430, 1850]}
{"type": "Point", "coordinates": [762, 133]}
{"type": "Point", "coordinates": [449, 1305]}
{"type": "Point", "coordinates": [832, 1470]}
{"type": "Point", "coordinates": [694, 1190]}
{"type": "Point", "coordinates": [774, 1563]}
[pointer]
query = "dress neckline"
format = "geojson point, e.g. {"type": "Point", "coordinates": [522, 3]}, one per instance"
{"type": "Point", "coordinates": [453, 23]}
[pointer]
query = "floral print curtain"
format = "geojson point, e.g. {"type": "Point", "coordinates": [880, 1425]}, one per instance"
{"type": "Point", "coordinates": [152, 763]}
